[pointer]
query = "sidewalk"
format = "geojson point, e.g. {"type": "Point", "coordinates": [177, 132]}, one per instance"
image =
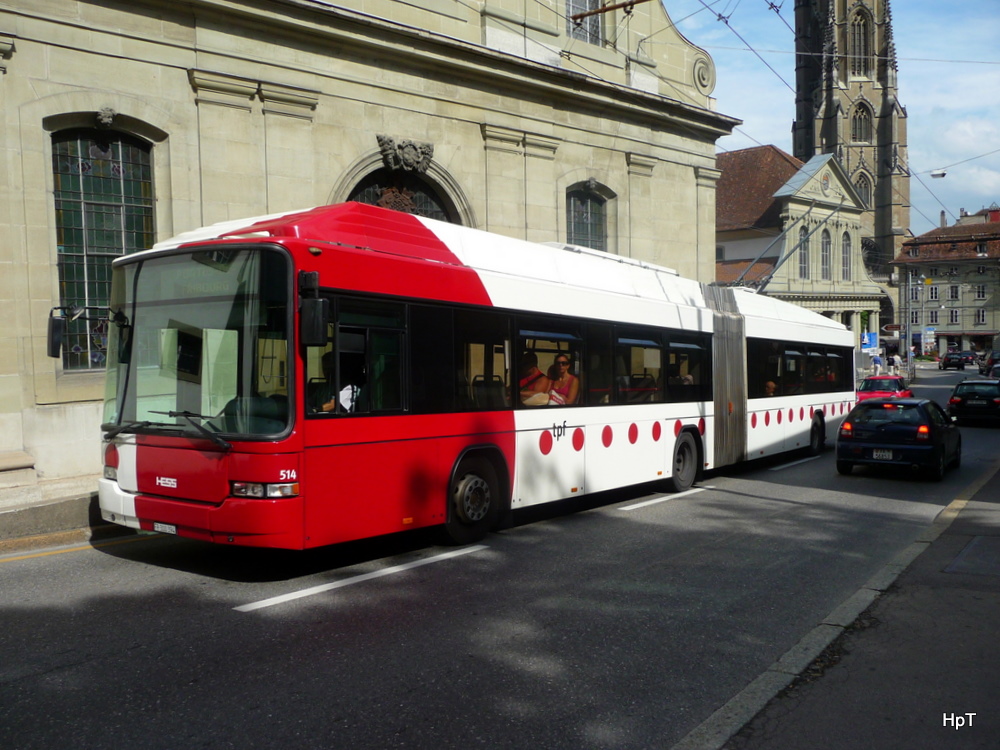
{"type": "Point", "coordinates": [920, 668]}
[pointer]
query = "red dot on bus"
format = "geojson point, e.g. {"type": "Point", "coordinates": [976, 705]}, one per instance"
{"type": "Point", "coordinates": [578, 439]}
{"type": "Point", "coordinates": [778, 414]}
{"type": "Point", "coordinates": [657, 431]}
{"type": "Point", "coordinates": [791, 415]}
{"type": "Point", "coordinates": [633, 433]}
{"type": "Point", "coordinates": [811, 412]}
{"type": "Point", "coordinates": [701, 426]}
{"type": "Point", "coordinates": [607, 436]}
{"type": "Point", "coordinates": [545, 443]}
{"type": "Point", "coordinates": [753, 419]}
{"type": "Point", "coordinates": [767, 418]}
{"type": "Point", "coordinates": [802, 412]}
{"type": "Point", "coordinates": [677, 428]}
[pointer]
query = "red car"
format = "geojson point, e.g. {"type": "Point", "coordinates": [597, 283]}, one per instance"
{"type": "Point", "coordinates": [883, 386]}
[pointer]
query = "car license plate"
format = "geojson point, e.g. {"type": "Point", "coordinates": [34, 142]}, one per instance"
{"type": "Point", "coordinates": [977, 403]}
{"type": "Point", "coordinates": [881, 454]}
{"type": "Point", "coordinates": [164, 528]}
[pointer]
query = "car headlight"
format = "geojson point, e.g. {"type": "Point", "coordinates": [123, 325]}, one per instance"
{"type": "Point", "coordinates": [261, 490]}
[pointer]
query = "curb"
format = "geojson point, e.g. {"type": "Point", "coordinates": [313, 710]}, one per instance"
{"type": "Point", "coordinates": [738, 711]}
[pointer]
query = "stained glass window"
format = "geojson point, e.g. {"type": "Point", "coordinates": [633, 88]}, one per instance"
{"type": "Point", "coordinates": [586, 219]}
{"type": "Point", "coordinates": [104, 208]}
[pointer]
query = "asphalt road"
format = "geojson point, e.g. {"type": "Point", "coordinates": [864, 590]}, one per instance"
{"type": "Point", "coordinates": [624, 624]}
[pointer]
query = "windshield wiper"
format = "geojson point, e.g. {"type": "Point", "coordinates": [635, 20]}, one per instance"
{"type": "Point", "coordinates": [125, 426]}
{"type": "Point", "coordinates": [190, 416]}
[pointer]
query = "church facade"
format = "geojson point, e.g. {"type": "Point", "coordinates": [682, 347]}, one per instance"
{"type": "Point", "coordinates": [126, 123]}
{"type": "Point", "coordinates": [847, 104]}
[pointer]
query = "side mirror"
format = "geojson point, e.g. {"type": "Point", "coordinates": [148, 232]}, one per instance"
{"type": "Point", "coordinates": [56, 334]}
{"type": "Point", "coordinates": [314, 314]}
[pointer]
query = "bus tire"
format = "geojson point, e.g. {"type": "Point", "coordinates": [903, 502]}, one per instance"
{"type": "Point", "coordinates": [817, 437]}
{"type": "Point", "coordinates": [473, 501]}
{"type": "Point", "coordinates": [685, 465]}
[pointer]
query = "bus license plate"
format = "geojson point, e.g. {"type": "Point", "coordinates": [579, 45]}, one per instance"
{"type": "Point", "coordinates": [164, 528]}
{"type": "Point", "coordinates": [881, 454]}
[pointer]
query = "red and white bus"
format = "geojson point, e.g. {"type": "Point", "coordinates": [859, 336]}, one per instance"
{"type": "Point", "coordinates": [315, 377]}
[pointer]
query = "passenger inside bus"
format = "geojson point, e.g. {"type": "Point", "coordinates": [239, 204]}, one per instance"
{"type": "Point", "coordinates": [564, 387]}
{"type": "Point", "coordinates": [534, 384]}
{"type": "Point", "coordinates": [323, 396]}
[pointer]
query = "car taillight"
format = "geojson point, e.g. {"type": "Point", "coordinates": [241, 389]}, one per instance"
{"type": "Point", "coordinates": [923, 432]}
{"type": "Point", "coordinates": [957, 400]}
{"type": "Point", "coordinates": [111, 461]}
{"type": "Point", "coordinates": [846, 429]}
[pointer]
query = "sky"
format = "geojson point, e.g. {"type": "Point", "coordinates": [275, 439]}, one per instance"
{"type": "Point", "coordinates": [948, 58]}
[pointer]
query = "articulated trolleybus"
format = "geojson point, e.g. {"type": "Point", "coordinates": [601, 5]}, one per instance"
{"type": "Point", "coordinates": [309, 378]}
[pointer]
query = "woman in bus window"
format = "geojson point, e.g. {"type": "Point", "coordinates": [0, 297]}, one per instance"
{"type": "Point", "coordinates": [565, 386]}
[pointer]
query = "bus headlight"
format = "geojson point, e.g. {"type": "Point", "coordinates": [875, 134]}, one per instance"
{"type": "Point", "coordinates": [257, 489]}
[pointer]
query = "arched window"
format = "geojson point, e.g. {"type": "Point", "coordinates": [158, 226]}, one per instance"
{"type": "Point", "coordinates": [587, 217]}
{"type": "Point", "coordinates": [587, 29]}
{"type": "Point", "coordinates": [864, 187]}
{"type": "Point", "coordinates": [403, 191]}
{"type": "Point", "coordinates": [803, 253]}
{"type": "Point", "coordinates": [104, 208]}
{"type": "Point", "coordinates": [859, 46]}
{"type": "Point", "coordinates": [826, 256]}
{"type": "Point", "coordinates": [845, 257]}
{"type": "Point", "coordinates": [861, 125]}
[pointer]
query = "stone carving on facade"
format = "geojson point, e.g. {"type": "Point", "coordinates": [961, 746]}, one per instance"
{"type": "Point", "coordinates": [409, 156]}
{"type": "Point", "coordinates": [106, 117]}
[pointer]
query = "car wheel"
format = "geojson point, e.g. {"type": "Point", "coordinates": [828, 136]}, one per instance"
{"type": "Point", "coordinates": [844, 467]}
{"type": "Point", "coordinates": [957, 460]}
{"type": "Point", "coordinates": [936, 470]}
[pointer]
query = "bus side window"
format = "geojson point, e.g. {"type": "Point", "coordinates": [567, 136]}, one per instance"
{"type": "Point", "coordinates": [482, 352]}
{"type": "Point", "coordinates": [433, 377]}
{"type": "Point", "coordinates": [688, 368]}
{"type": "Point", "coordinates": [639, 364]}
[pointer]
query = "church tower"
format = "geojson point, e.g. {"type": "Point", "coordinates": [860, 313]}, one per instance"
{"type": "Point", "coordinates": [846, 104]}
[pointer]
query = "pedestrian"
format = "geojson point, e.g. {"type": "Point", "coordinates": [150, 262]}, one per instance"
{"type": "Point", "coordinates": [876, 364]}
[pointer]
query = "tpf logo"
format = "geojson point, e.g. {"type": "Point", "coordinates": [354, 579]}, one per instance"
{"type": "Point", "coordinates": [166, 482]}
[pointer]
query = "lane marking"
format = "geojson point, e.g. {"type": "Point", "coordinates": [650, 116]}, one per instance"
{"type": "Point", "coordinates": [794, 463]}
{"type": "Point", "coordinates": [81, 548]}
{"type": "Point", "coordinates": [392, 570]}
{"type": "Point", "coordinates": [666, 498]}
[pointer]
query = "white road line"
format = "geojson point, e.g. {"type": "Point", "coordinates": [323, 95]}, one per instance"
{"type": "Point", "coordinates": [793, 463]}
{"type": "Point", "coordinates": [666, 498]}
{"type": "Point", "coordinates": [356, 579]}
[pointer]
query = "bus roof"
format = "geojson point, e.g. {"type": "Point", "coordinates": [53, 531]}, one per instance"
{"type": "Point", "coordinates": [516, 274]}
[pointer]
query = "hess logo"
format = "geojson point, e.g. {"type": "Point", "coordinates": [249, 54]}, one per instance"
{"type": "Point", "coordinates": [166, 482]}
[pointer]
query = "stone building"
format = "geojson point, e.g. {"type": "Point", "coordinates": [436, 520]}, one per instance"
{"type": "Point", "coordinates": [950, 284]}
{"type": "Point", "coordinates": [125, 123]}
{"type": "Point", "coordinates": [793, 231]}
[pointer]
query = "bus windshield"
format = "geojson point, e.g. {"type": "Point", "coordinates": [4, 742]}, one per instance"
{"type": "Point", "coordinates": [199, 344]}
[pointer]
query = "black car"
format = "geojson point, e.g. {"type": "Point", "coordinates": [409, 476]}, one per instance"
{"type": "Point", "coordinates": [951, 359]}
{"type": "Point", "coordinates": [970, 358]}
{"type": "Point", "coordinates": [988, 361]}
{"type": "Point", "coordinates": [977, 398]}
{"type": "Point", "coordinates": [902, 432]}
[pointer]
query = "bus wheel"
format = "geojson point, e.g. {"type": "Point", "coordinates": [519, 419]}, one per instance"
{"type": "Point", "coordinates": [474, 502]}
{"type": "Point", "coordinates": [685, 466]}
{"type": "Point", "coordinates": [817, 437]}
